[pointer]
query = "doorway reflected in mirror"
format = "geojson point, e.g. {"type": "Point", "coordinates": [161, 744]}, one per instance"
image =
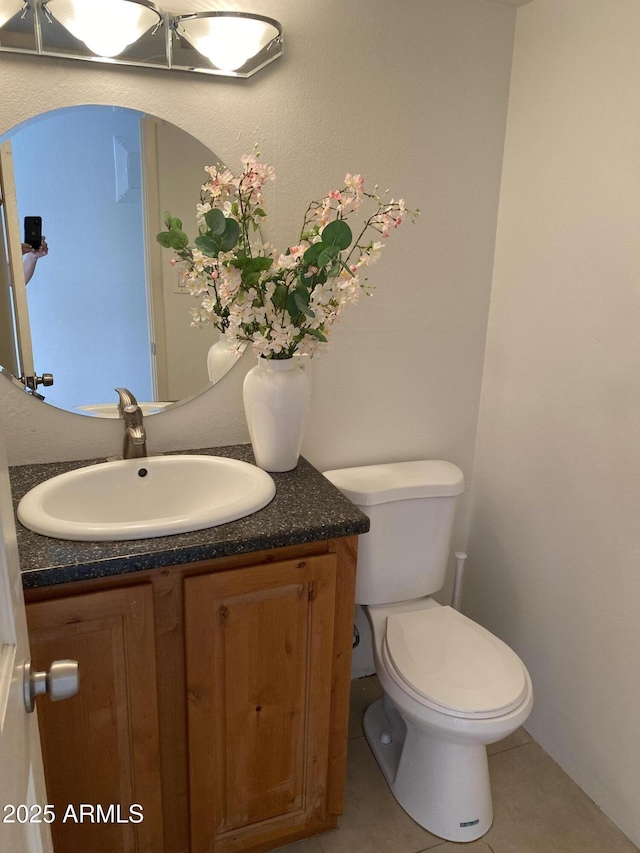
{"type": "Point", "coordinates": [106, 307]}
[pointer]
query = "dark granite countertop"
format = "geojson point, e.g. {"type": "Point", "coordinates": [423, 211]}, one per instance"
{"type": "Point", "coordinates": [306, 508]}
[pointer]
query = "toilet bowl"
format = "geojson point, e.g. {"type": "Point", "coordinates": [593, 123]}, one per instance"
{"type": "Point", "coordinates": [430, 731]}
{"type": "Point", "coordinates": [450, 687]}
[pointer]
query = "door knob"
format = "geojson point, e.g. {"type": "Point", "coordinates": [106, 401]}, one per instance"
{"type": "Point", "coordinates": [60, 682]}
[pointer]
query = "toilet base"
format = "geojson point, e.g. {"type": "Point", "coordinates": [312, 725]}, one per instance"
{"type": "Point", "coordinates": [443, 786]}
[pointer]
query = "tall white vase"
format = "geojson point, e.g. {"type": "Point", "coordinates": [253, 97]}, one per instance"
{"type": "Point", "coordinates": [276, 398]}
{"type": "Point", "coordinates": [220, 360]}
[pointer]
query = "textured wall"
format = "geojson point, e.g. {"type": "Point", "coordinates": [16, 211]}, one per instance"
{"type": "Point", "coordinates": [555, 541]}
{"type": "Point", "coordinates": [415, 102]}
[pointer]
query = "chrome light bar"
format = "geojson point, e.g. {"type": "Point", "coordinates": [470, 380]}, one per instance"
{"type": "Point", "coordinates": [138, 33]}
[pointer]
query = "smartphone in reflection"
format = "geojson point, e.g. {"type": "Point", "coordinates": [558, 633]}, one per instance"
{"type": "Point", "coordinates": [33, 231]}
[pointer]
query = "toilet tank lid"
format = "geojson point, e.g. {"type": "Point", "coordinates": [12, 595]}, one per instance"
{"type": "Point", "coordinates": [368, 485]}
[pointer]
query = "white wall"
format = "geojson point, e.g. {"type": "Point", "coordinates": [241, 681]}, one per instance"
{"type": "Point", "coordinates": [415, 102]}
{"type": "Point", "coordinates": [555, 541]}
{"type": "Point", "coordinates": [177, 186]}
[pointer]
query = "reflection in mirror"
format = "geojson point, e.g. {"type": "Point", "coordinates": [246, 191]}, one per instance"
{"type": "Point", "coordinates": [106, 307]}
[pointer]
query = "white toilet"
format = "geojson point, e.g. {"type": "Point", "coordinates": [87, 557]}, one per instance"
{"type": "Point", "coordinates": [450, 686]}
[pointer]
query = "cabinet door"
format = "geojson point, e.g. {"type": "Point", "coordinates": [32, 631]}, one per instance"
{"type": "Point", "coordinates": [100, 748]}
{"type": "Point", "coordinates": [259, 645]}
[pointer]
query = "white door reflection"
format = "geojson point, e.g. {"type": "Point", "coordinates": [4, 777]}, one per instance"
{"type": "Point", "coordinates": [87, 307]}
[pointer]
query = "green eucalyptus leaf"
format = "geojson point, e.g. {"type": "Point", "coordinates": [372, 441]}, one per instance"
{"type": "Point", "coordinates": [216, 221]}
{"type": "Point", "coordinates": [303, 294]}
{"type": "Point", "coordinates": [176, 224]}
{"type": "Point", "coordinates": [166, 218]}
{"type": "Point", "coordinates": [292, 305]}
{"type": "Point", "coordinates": [301, 300]}
{"type": "Point", "coordinates": [230, 235]}
{"type": "Point", "coordinates": [249, 277]}
{"type": "Point", "coordinates": [311, 280]}
{"type": "Point", "coordinates": [279, 297]}
{"type": "Point", "coordinates": [259, 263]}
{"type": "Point", "coordinates": [206, 246]}
{"type": "Point", "coordinates": [316, 333]}
{"type": "Point", "coordinates": [311, 255]}
{"type": "Point", "coordinates": [164, 238]}
{"type": "Point", "coordinates": [337, 233]}
{"type": "Point", "coordinates": [178, 239]}
{"type": "Point", "coordinates": [328, 255]}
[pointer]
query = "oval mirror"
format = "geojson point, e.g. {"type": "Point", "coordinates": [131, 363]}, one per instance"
{"type": "Point", "coordinates": [105, 307]}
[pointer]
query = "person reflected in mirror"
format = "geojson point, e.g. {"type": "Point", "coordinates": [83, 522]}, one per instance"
{"type": "Point", "coordinates": [30, 258]}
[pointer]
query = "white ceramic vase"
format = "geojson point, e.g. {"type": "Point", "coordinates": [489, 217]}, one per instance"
{"type": "Point", "coordinates": [219, 360]}
{"type": "Point", "coordinates": [276, 396]}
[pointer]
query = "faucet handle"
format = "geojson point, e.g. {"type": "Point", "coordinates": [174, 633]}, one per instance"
{"type": "Point", "coordinates": [125, 398]}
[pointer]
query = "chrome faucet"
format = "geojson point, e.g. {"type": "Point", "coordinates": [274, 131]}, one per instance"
{"type": "Point", "coordinates": [125, 398]}
{"type": "Point", "coordinates": [134, 445]}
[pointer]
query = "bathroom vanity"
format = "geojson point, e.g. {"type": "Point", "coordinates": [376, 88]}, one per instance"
{"type": "Point", "coordinates": [214, 674]}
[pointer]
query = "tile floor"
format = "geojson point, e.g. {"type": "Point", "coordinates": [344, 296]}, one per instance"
{"type": "Point", "coordinates": [538, 809]}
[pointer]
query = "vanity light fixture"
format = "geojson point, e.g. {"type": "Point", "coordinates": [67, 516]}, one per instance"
{"type": "Point", "coordinates": [139, 33]}
{"type": "Point", "coordinates": [228, 39]}
{"type": "Point", "coordinates": [107, 27]}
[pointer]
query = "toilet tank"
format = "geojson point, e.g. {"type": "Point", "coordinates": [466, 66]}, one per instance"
{"type": "Point", "coordinates": [411, 506]}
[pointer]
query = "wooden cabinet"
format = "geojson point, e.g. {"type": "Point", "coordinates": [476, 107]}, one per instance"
{"type": "Point", "coordinates": [101, 746]}
{"type": "Point", "coordinates": [215, 695]}
{"type": "Point", "coordinates": [259, 690]}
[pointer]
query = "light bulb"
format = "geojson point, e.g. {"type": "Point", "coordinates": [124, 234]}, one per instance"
{"type": "Point", "coordinates": [104, 38]}
{"type": "Point", "coordinates": [107, 27]}
{"type": "Point", "coordinates": [228, 41]}
{"type": "Point", "coordinates": [231, 42]}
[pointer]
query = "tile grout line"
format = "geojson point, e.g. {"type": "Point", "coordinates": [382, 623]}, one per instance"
{"type": "Point", "coordinates": [510, 748]}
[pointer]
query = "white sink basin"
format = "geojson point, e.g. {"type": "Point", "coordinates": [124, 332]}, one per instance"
{"type": "Point", "coordinates": [141, 498]}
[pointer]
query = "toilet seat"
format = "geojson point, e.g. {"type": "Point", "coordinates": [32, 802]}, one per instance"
{"type": "Point", "coordinates": [452, 664]}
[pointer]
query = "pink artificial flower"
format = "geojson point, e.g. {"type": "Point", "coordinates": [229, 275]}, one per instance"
{"type": "Point", "coordinates": [354, 182]}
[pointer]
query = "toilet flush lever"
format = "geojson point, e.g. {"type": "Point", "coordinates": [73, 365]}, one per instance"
{"type": "Point", "coordinates": [60, 682]}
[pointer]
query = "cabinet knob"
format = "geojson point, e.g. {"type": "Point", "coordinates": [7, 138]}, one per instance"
{"type": "Point", "coordinates": [60, 682]}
